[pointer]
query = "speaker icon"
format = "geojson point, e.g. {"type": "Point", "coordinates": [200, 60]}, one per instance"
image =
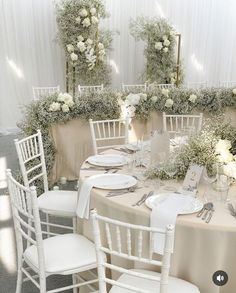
{"type": "Point", "coordinates": [220, 278]}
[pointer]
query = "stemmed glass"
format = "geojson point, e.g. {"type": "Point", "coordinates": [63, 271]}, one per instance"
{"type": "Point", "coordinates": [210, 173]}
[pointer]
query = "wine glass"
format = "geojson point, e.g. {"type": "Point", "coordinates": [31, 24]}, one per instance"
{"type": "Point", "coordinates": [210, 173]}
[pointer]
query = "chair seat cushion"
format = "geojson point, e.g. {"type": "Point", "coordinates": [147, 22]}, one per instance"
{"type": "Point", "coordinates": [63, 253]}
{"type": "Point", "coordinates": [58, 202]}
{"type": "Point", "coordinates": [175, 285]}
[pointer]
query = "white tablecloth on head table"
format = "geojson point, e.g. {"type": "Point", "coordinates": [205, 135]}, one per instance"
{"type": "Point", "coordinates": [200, 249]}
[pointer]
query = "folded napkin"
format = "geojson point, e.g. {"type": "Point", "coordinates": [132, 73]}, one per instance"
{"type": "Point", "coordinates": [83, 205]}
{"type": "Point", "coordinates": [165, 213]}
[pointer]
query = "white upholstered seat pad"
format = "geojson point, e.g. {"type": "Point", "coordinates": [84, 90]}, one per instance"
{"type": "Point", "coordinates": [63, 253]}
{"type": "Point", "coordinates": [175, 285]}
{"type": "Point", "coordinates": [61, 202]}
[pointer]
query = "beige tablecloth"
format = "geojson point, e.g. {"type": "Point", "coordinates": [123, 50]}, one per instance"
{"type": "Point", "coordinates": [73, 143]}
{"type": "Point", "coordinates": [200, 248]}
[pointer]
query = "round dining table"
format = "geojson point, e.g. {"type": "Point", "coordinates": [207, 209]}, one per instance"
{"type": "Point", "coordinates": [200, 248]}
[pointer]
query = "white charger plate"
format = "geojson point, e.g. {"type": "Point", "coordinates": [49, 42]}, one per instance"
{"type": "Point", "coordinates": [107, 160]}
{"type": "Point", "coordinates": [114, 181]}
{"type": "Point", "coordinates": [195, 205]}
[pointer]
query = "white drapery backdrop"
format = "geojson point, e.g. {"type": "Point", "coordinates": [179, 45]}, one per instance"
{"type": "Point", "coordinates": [30, 56]}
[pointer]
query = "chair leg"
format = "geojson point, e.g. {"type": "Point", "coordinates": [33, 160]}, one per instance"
{"type": "Point", "coordinates": [19, 280]}
{"type": "Point", "coordinates": [74, 280]}
{"type": "Point", "coordinates": [48, 227]}
{"type": "Point", "coordinates": [74, 222]}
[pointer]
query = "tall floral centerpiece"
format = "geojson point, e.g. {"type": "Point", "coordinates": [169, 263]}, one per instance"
{"type": "Point", "coordinates": [160, 39]}
{"type": "Point", "coordinates": [85, 44]}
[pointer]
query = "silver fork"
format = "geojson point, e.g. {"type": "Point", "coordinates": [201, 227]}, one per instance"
{"type": "Point", "coordinates": [144, 199]}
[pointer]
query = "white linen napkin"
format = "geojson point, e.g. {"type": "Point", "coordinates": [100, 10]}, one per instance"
{"type": "Point", "coordinates": [83, 205]}
{"type": "Point", "coordinates": [165, 213]}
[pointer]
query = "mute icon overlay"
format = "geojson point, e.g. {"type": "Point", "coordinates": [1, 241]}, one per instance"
{"type": "Point", "coordinates": [220, 278]}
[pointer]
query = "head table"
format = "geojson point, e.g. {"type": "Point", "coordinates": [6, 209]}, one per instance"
{"type": "Point", "coordinates": [200, 248]}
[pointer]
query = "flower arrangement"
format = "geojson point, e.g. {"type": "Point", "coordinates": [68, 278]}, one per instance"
{"type": "Point", "coordinates": [64, 102]}
{"type": "Point", "coordinates": [160, 40]}
{"type": "Point", "coordinates": [84, 43]}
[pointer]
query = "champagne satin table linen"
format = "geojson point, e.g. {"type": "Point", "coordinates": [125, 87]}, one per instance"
{"type": "Point", "coordinates": [200, 248]}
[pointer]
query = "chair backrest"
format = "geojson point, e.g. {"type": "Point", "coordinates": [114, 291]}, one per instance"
{"type": "Point", "coordinates": [39, 92]}
{"type": "Point", "coordinates": [26, 219]}
{"type": "Point", "coordinates": [89, 88]}
{"type": "Point", "coordinates": [121, 240]}
{"type": "Point", "coordinates": [175, 123]}
{"type": "Point", "coordinates": [108, 133]}
{"type": "Point", "coordinates": [31, 159]}
{"type": "Point", "coordinates": [196, 85]}
{"type": "Point", "coordinates": [165, 85]}
{"type": "Point", "coordinates": [228, 83]}
{"type": "Point", "coordinates": [134, 87]}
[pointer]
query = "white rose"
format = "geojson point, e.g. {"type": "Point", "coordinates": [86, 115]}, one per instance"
{"type": "Point", "coordinates": [93, 10]}
{"type": "Point", "coordinates": [70, 48]}
{"type": "Point", "coordinates": [165, 92]}
{"type": "Point", "coordinates": [74, 57]}
{"type": "Point", "coordinates": [225, 156]}
{"type": "Point", "coordinates": [89, 41]}
{"type": "Point", "coordinates": [169, 103]}
{"type": "Point", "coordinates": [133, 99]}
{"type": "Point", "coordinates": [94, 20]}
{"type": "Point", "coordinates": [60, 97]}
{"type": "Point", "coordinates": [234, 91]}
{"type": "Point", "coordinates": [83, 12]}
{"type": "Point", "coordinates": [55, 107]}
{"type": "Point", "coordinates": [65, 108]}
{"type": "Point", "coordinates": [80, 38]}
{"type": "Point", "coordinates": [81, 46]}
{"type": "Point", "coordinates": [192, 98]}
{"type": "Point", "coordinates": [86, 22]}
{"type": "Point", "coordinates": [164, 37]}
{"type": "Point", "coordinates": [222, 145]}
{"type": "Point", "coordinates": [166, 42]}
{"type": "Point", "coordinates": [165, 50]}
{"type": "Point", "coordinates": [230, 169]}
{"type": "Point", "coordinates": [78, 19]}
{"type": "Point", "coordinates": [154, 99]}
{"type": "Point", "coordinates": [67, 98]}
{"type": "Point", "coordinates": [158, 45]}
{"type": "Point", "coordinates": [100, 46]}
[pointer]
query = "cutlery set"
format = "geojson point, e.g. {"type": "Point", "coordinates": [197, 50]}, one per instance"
{"type": "Point", "coordinates": [123, 191]}
{"type": "Point", "coordinates": [206, 212]}
{"type": "Point", "coordinates": [143, 198]}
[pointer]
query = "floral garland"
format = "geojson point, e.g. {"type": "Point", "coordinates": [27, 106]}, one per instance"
{"type": "Point", "coordinates": [85, 44]}
{"type": "Point", "coordinates": [160, 40]}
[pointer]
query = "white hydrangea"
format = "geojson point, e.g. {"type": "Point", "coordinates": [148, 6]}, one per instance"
{"type": "Point", "coordinates": [222, 145]}
{"type": "Point", "coordinates": [80, 38]}
{"type": "Point", "coordinates": [100, 46]}
{"type": "Point", "coordinates": [164, 37]}
{"type": "Point", "coordinates": [166, 42]}
{"type": "Point", "coordinates": [55, 107]}
{"type": "Point", "coordinates": [83, 12]}
{"type": "Point", "coordinates": [74, 57]}
{"type": "Point", "coordinates": [89, 41]}
{"type": "Point", "coordinates": [234, 91]}
{"type": "Point", "coordinates": [81, 46]}
{"type": "Point", "coordinates": [192, 98]}
{"type": "Point", "coordinates": [67, 98]}
{"type": "Point", "coordinates": [65, 108]}
{"type": "Point", "coordinates": [169, 103]}
{"type": "Point", "coordinates": [165, 92]}
{"type": "Point", "coordinates": [143, 97]}
{"type": "Point", "coordinates": [225, 156]}
{"type": "Point", "coordinates": [230, 169]}
{"type": "Point", "coordinates": [60, 97]}
{"type": "Point", "coordinates": [78, 19]}
{"type": "Point", "coordinates": [154, 99]}
{"type": "Point", "coordinates": [93, 10]}
{"type": "Point", "coordinates": [70, 104]}
{"type": "Point", "coordinates": [165, 50]}
{"type": "Point", "coordinates": [70, 48]}
{"type": "Point", "coordinates": [94, 20]}
{"type": "Point", "coordinates": [86, 22]}
{"type": "Point", "coordinates": [132, 99]}
{"type": "Point", "coordinates": [158, 45]}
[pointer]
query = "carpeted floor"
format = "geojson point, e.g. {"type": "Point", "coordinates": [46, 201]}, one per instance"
{"type": "Point", "coordinates": [8, 266]}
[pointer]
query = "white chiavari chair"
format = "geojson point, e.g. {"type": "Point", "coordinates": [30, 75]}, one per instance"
{"type": "Point", "coordinates": [134, 87]}
{"type": "Point", "coordinates": [228, 84]}
{"type": "Point", "coordinates": [60, 203]}
{"type": "Point", "coordinates": [174, 123]}
{"type": "Point", "coordinates": [165, 85]}
{"type": "Point", "coordinates": [108, 133]}
{"type": "Point", "coordinates": [39, 92]}
{"type": "Point", "coordinates": [90, 88]}
{"type": "Point", "coordinates": [121, 243]}
{"type": "Point", "coordinates": [38, 258]}
{"type": "Point", "coordinates": [196, 85]}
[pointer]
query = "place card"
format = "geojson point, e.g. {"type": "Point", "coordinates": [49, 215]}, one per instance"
{"type": "Point", "coordinates": [192, 177]}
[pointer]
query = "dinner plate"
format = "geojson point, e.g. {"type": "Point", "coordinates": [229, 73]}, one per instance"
{"type": "Point", "coordinates": [107, 160]}
{"type": "Point", "coordinates": [114, 181]}
{"type": "Point", "coordinates": [195, 205]}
